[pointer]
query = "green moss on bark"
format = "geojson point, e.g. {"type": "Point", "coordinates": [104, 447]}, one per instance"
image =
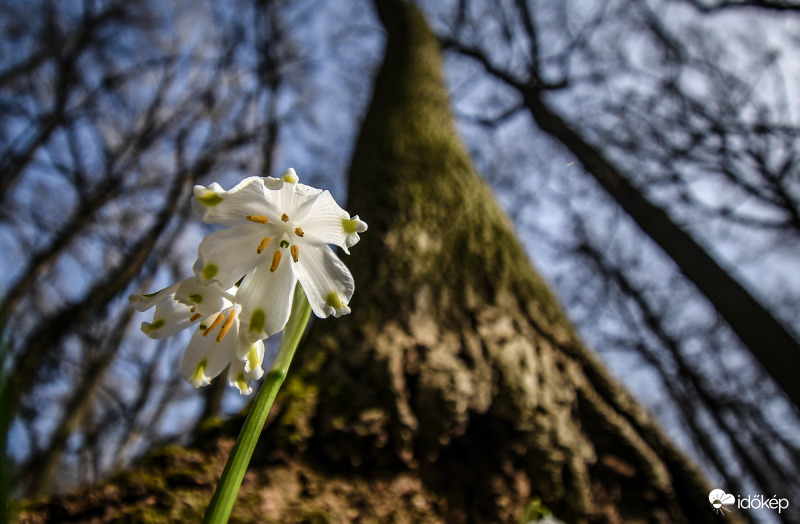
{"type": "Point", "coordinates": [457, 360]}
{"type": "Point", "coordinates": [433, 221]}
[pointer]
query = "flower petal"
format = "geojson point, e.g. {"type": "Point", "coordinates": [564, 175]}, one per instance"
{"type": "Point", "coordinates": [254, 360]}
{"type": "Point", "coordinates": [218, 206]}
{"type": "Point", "coordinates": [290, 200]}
{"type": "Point", "coordinates": [266, 297]}
{"type": "Point", "coordinates": [286, 200]}
{"type": "Point", "coordinates": [169, 318]}
{"type": "Point", "coordinates": [290, 176]}
{"type": "Point", "coordinates": [206, 357]}
{"type": "Point", "coordinates": [237, 378]}
{"type": "Point", "coordinates": [327, 223]}
{"type": "Point", "coordinates": [227, 255]}
{"type": "Point", "coordinates": [325, 279]}
{"type": "Point", "coordinates": [275, 183]}
{"type": "Point", "coordinates": [241, 372]}
{"type": "Point", "coordinates": [142, 302]}
{"type": "Point", "coordinates": [207, 298]}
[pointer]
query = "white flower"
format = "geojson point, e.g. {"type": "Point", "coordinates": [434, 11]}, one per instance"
{"type": "Point", "coordinates": [169, 317]}
{"type": "Point", "coordinates": [217, 343]}
{"type": "Point", "coordinates": [279, 233]}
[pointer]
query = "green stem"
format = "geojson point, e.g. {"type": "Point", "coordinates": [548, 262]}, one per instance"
{"type": "Point", "coordinates": [221, 505]}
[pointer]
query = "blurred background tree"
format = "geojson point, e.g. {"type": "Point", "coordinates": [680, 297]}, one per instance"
{"type": "Point", "coordinates": [112, 110]}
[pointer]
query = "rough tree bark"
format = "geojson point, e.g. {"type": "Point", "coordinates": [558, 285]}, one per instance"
{"type": "Point", "coordinates": [456, 391]}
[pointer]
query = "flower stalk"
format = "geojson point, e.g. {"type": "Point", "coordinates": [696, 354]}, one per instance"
{"type": "Point", "coordinates": [221, 505]}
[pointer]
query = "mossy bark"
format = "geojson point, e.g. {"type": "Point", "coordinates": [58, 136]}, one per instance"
{"type": "Point", "coordinates": [457, 361]}
{"type": "Point", "coordinates": [456, 391]}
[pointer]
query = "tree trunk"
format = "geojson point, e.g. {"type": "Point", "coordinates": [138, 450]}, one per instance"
{"type": "Point", "coordinates": [457, 361]}
{"type": "Point", "coordinates": [456, 391]}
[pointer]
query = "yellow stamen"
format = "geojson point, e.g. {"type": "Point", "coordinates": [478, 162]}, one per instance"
{"type": "Point", "coordinates": [213, 325]}
{"type": "Point", "coordinates": [258, 219]}
{"type": "Point", "coordinates": [227, 325]}
{"type": "Point", "coordinates": [263, 245]}
{"type": "Point", "coordinates": [194, 317]}
{"type": "Point", "coordinates": [298, 232]}
{"type": "Point", "coordinates": [285, 217]}
{"type": "Point", "coordinates": [295, 252]}
{"type": "Point", "coordinates": [276, 259]}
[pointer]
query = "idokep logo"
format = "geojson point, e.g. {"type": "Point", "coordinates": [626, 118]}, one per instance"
{"type": "Point", "coordinates": [719, 500]}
